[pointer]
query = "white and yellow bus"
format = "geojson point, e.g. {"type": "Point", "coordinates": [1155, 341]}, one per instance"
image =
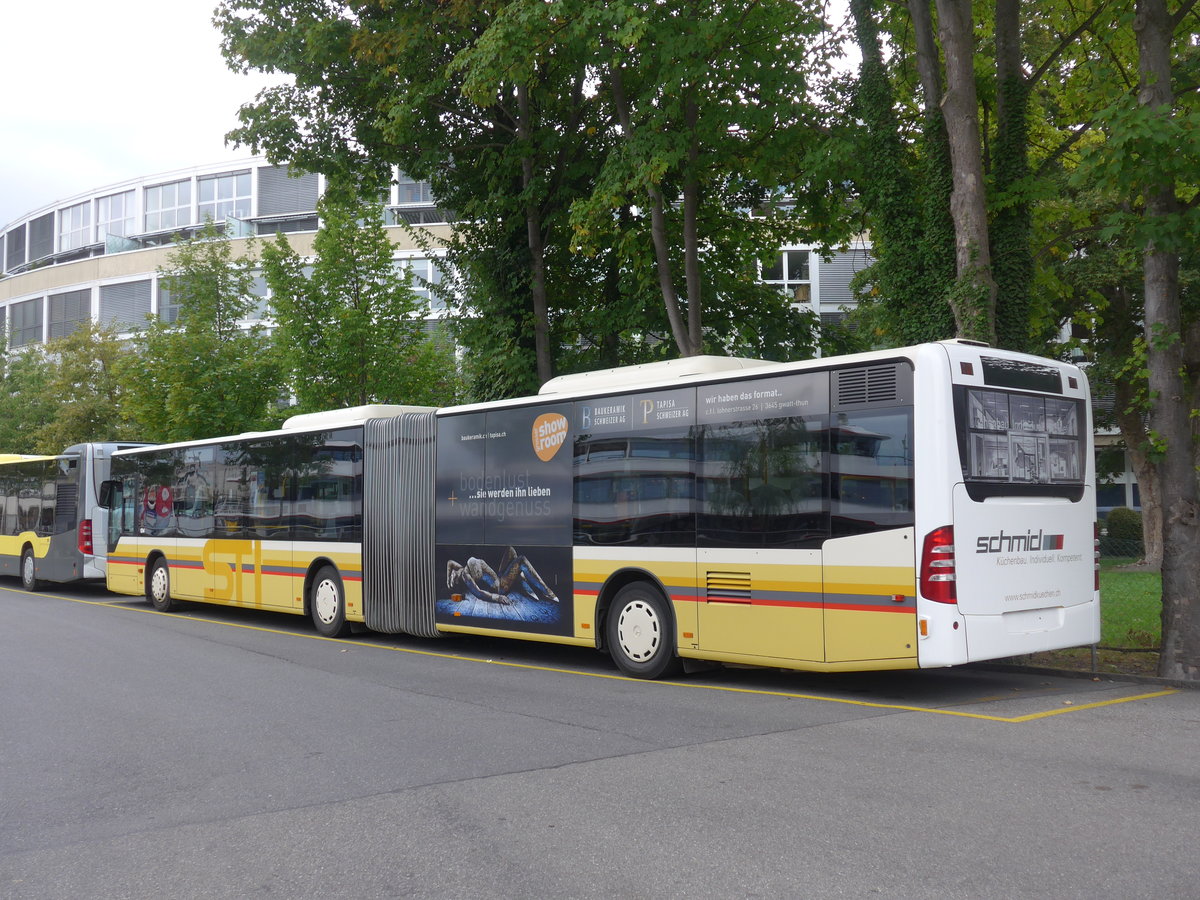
{"type": "Point", "coordinates": [51, 523]}
{"type": "Point", "coordinates": [926, 506]}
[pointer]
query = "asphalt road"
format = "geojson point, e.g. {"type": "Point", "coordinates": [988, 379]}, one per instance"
{"type": "Point", "coordinates": [218, 753]}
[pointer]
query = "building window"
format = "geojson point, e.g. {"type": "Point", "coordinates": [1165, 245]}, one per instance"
{"type": "Point", "coordinates": [169, 205]}
{"type": "Point", "coordinates": [114, 215]}
{"type": "Point", "coordinates": [425, 276]}
{"type": "Point", "coordinates": [68, 311]}
{"type": "Point", "coordinates": [75, 226]}
{"type": "Point", "coordinates": [168, 309]}
{"type": "Point", "coordinates": [26, 323]}
{"type": "Point", "coordinates": [14, 251]}
{"type": "Point", "coordinates": [410, 191]}
{"type": "Point", "coordinates": [41, 237]}
{"type": "Point", "coordinates": [279, 193]}
{"type": "Point", "coordinates": [125, 306]}
{"type": "Point", "coordinates": [224, 196]}
{"type": "Point", "coordinates": [790, 274]}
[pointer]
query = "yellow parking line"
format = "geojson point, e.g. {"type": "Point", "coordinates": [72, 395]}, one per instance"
{"type": "Point", "coordinates": [789, 695]}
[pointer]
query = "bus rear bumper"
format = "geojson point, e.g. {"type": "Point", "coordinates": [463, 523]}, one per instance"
{"type": "Point", "coordinates": [1031, 631]}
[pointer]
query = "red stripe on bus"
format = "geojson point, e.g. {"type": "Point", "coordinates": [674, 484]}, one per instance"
{"type": "Point", "coordinates": [852, 607]}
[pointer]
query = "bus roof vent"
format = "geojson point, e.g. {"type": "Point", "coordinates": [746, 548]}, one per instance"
{"type": "Point", "coordinates": [869, 385]}
{"type": "Point", "coordinates": [647, 374]}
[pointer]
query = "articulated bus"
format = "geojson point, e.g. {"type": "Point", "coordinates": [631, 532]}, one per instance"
{"type": "Point", "coordinates": [909, 508]}
{"type": "Point", "coordinates": [50, 517]}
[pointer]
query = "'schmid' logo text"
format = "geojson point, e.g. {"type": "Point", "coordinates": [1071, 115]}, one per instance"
{"type": "Point", "coordinates": [1030, 541]}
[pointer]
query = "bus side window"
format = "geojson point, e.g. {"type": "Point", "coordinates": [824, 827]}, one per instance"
{"type": "Point", "coordinates": [763, 484]}
{"type": "Point", "coordinates": [636, 491]}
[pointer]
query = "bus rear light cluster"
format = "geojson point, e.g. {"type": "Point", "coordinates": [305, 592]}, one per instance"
{"type": "Point", "coordinates": [1096, 551]}
{"type": "Point", "coordinates": [937, 566]}
{"type": "Point", "coordinates": [85, 536]}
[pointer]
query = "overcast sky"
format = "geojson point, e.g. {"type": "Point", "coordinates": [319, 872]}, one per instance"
{"type": "Point", "coordinates": [99, 92]}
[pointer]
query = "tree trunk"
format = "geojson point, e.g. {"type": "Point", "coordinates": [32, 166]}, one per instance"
{"type": "Point", "coordinates": [927, 56]}
{"type": "Point", "coordinates": [974, 295]}
{"type": "Point", "coordinates": [936, 249]}
{"type": "Point", "coordinates": [1133, 432]}
{"type": "Point", "coordinates": [1170, 408]}
{"type": "Point", "coordinates": [658, 225]}
{"type": "Point", "coordinates": [537, 246]}
{"type": "Point", "coordinates": [691, 229]}
{"type": "Point", "coordinates": [1012, 226]}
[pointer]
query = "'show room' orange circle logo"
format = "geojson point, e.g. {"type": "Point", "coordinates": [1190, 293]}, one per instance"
{"type": "Point", "coordinates": [549, 434]}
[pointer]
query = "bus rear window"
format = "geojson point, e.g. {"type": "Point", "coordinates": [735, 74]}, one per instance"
{"type": "Point", "coordinates": [1012, 439]}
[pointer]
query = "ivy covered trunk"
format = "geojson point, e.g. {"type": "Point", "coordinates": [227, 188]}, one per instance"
{"type": "Point", "coordinates": [1012, 225]}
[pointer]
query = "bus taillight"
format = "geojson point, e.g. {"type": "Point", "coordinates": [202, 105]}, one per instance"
{"type": "Point", "coordinates": [1096, 551]}
{"type": "Point", "coordinates": [937, 566]}
{"type": "Point", "coordinates": [85, 536]}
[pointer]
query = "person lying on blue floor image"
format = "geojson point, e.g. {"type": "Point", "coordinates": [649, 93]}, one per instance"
{"type": "Point", "coordinates": [515, 581]}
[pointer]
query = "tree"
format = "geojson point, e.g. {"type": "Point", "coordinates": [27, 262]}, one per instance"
{"type": "Point", "coordinates": [1172, 354]}
{"type": "Point", "coordinates": [380, 85]}
{"type": "Point", "coordinates": [1148, 167]}
{"type": "Point", "coordinates": [1018, 93]}
{"type": "Point", "coordinates": [351, 331]}
{"type": "Point", "coordinates": [1100, 283]}
{"type": "Point", "coordinates": [25, 401]}
{"type": "Point", "coordinates": [85, 389]}
{"type": "Point", "coordinates": [511, 110]}
{"type": "Point", "coordinates": [205, 374]}
{"type": "Point", "coordinates": [710, 107]}
{"type": "Point", "coordinates": [911, 228]}
{"type": "Point", "coordinates": [973, 299]}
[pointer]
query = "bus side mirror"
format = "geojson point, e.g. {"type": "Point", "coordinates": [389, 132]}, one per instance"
{"type": "Point", "coordinates": [108, 490]}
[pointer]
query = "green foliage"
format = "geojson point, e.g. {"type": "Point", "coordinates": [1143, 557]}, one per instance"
{"type": "Point", "coordinates": [507, 109]}
{"type": "Point", "coordinates": [1124, 524]}
{"type": "Point", "coordinates": [350, 332]}
{"type": "Point", "coordinates": [905, 195]}
{"type": "Point", "coordinates": [26, 403]}
{"type": "Point", "coordinates": [699, 150]}
{"type": "Point", "coordinates": [969, 300]}
{"type": "Point", "coordinates": [1011, 228]}
{"type": "Point", "coordinates": [86, 392]}
{"type": "Point", "coordinates": [204, 375]}
{"type": "Point", "coordinates": [495, 325]}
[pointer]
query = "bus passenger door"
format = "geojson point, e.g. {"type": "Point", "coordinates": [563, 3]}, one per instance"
{"type": "Point", "coordinates": [126, 574]}
{"type": "Point", "coordinates": [193, 501]}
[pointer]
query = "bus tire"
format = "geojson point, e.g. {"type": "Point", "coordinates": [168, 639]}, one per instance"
{"type": "Point", "coordinates": [327, 602]}
{"type": "Point", "coordinates": [639, 630]}
{"type": "Point", "coordinates": [158, 586]}
{"type": "Point", "coordinates": [29, 579]}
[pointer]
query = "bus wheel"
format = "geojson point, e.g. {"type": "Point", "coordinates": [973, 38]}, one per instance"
{"type": "Point", "coordinates": [327, 600]}
{"type": "Point", "coordinates": [29, 579]}
{"type": "Point", "coordinates": [158, 586]}
{"type": "Point", "coordinates": [640, 633]}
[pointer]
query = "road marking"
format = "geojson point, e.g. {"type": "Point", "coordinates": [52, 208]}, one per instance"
{"type": "Point", "coordinates": [758, 692]}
